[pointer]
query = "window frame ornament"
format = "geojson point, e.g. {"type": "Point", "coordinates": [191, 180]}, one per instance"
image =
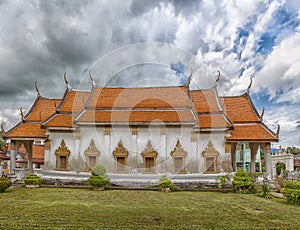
{"type": "Point", "coordinates": [120, 151]}
{"type": "Point", "coordinates": [62, 151]}
{"type": "Point", "coordinates": [149, 152]}
{"type": "Point", "coordinates": [178, 152]}
{"type": "Point", "coordinates": [210, 152]}
{"type": "Point", "coordinates": [91, 151]}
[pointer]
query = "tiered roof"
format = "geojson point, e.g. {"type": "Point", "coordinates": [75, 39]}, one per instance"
{"type": "Point", "coordinates": [202, 109]}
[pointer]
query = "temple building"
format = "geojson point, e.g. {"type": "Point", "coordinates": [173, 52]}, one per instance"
{"type": "Point", "coordinates": [184, 133]}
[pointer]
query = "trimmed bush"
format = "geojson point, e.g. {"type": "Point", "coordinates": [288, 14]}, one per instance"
{"type": "Point", "coordinates": [33, 179]}
{"type": "Point", "coordinates": [98, 181]}
{"type": "Point", "coordinates": [291, 191]}
{"type": "Point", "coordinates": [242, 182]}
{"type": "Point", "coordinates": [164, 182]}
{"type": "Point", "coordinates": [5, 183]}
{"type": "Point", "coordinates": [99, 170]}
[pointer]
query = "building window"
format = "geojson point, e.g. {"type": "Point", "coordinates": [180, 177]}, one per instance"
{"type": "Point", "coordinates": [120, 155]}
{"type": "Point", "coordinates": [91, 156]}
{"type": "Point", "coordinates": [149, 156]}
{"type": "Point", "coordinates": [178, 154]}
{"type": "Point", "coordinates": [210, 155]}
{"type": "Point", "coordinates": [62, 156]}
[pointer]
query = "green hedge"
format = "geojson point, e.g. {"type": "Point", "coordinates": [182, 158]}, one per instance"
{"type": "Point", "coordinates": [291, 191]}
{"type": "Point", "coordinates": [33, 179]}
{"type": "Point", "coordinates": [5, 183]}
{"type": "Point", "coordinates": [242, 182]}
{"type": "Point", "coordinates": [98, 181]}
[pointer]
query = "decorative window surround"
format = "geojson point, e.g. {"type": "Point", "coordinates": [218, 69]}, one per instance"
{"type": "Point", "coordinates": [120, 154]}
{"type": "Point", "coordinates": [210, 155]}
{"type": "Point", "coordinates": [91, 153]}
{"type": "Point", "coordinates": [62, 157]}
{"type": "Point", "coordinates": [178, 154]}
{"type": "Point", "coordinates": [149, 158]}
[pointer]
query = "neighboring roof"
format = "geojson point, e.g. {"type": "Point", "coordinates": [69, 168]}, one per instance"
{"type": "Point", "coordinates": [240, 109]}
{"type": "Point", "coordinates": [71, 103]}
{"type": "Point", "coordinates": [251, 132]}
{"type": "Point", "coordinates": [248, 125]}
{"type": "Point", "coordinates": [38, 151]}
{"type": "Point", "coordinates": [30, 126]}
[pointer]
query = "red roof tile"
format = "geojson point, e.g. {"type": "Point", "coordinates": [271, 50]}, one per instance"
{"type": "Point", "coordinates": [73, 102]}
{"type": "Point", "coordinates": [38, 151]}
{"type": "Point", "coordinates": [213, 121]}
{"type": "Point", "coordinates": [92, 116]}
{"type": "Point", "coordinates": [163, 97]}
{"type": "Point", "coordinates": [253, 132]}
{"type": "Point", "coordinates": [27, 130]}
{"type": "Point", "coordinates": [205, 101]}
{"type": "Point", "coordinates": [60, 120]}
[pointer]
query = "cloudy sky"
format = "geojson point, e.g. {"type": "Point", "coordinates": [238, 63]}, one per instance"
{"type": "Point", "coordinates": [122, 41]}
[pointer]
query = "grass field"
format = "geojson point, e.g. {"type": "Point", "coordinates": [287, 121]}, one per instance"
{"type": "Point", "coordinates": [63, 208]}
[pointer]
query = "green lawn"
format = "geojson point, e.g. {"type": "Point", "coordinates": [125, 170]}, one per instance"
{"type": "Point", "coordinates": [62, 208]}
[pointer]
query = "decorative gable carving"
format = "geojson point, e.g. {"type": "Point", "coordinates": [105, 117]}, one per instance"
{"type": "Point", "coordinates": [210, 150]}
{"type": "Point", "coordinates": [62, 150]}
{"type": "Point", "coordinates": [178, 150]}
{"type": "Point", "coordinates": [149, 151]}
{"type": "Point", "coordinates": [92, 149]}
{"type": "Point", "coordinates": [120, 150]}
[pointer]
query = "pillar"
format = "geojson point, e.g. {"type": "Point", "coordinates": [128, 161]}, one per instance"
{"type": "Point", "coordinates": [253, 151]}
{"type": "Point", "coordinates": [267, 153]}
{"type": "Point", "coordinates": [233, 156]}
{"type": "Point", "coordinates": [28, 147]}
{"type": "Point", "coordinates": [12, 156]}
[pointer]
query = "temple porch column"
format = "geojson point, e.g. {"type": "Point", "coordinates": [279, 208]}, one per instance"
{"type": "Point", "coordinates": [253, 149]}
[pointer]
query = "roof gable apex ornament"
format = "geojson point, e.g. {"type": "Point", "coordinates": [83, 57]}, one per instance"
{"type": "Point", "coordinates": [36, 88]}
{"type": "Point", "coordinates": [278, 130]}
{"type": "Point", "coordinates": [218, 78]}
{"type": "Point", "coordinates": [262, 114]}
{"type": "Point", "coordinates": [92, 79]}
{"type": "Point", "coordinates": [22, 115]}
{"type": "Point", "coordinates": [248, 89]}
{"type": "Point", "coordinates": [188, 81]}
{"type": "Point", "coordinates": [66, 81]}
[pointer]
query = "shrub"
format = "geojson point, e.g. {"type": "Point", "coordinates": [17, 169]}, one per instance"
{"type": "Point", "coordinates": [164, 182]}
{"type": "Point", "coordinates": [98, 181]}
{"type": "Point", "coordinates": [98, 170]}
{"type": "Point", "coordinates": [223, 180]}
{"type": "Point", "coordinates": [291, 191]}
{"type": "Point", "coordinates": [242, 181]}
{"type": "Point", "coordinates": [33, 179]}
{"type": "Point", "coordinates": [5, 183]}
{"type": "Point", "coordinates": [264, 191]}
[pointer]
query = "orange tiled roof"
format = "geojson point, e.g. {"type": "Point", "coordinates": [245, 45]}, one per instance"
{"type": "Point", "coordinates": [91, 116]}
{"type": "Point", "coordinates": [60, 120]}
{"type": "Point", "coordinates": [26, 130]}
{"type": "Point", "coordinates": [253, 132]}
{"type": "Point", "coordinates": [162, 97]}
{"type": "Point", "coordinates": [205, 101]}
{"type": "Point", "coordinates": [213, 121]}
{"type": "Point", "coordinates": [239, 109]}
{"type": "Point", "coordinates": [73, 102]}
{"type": "Point", "coordinates": [41, 109]}
{"type": "Point", "coordinates": [38, 151]}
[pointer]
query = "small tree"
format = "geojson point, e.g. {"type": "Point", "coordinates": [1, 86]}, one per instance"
{"type": "Point", "coordinates": [99, 178]}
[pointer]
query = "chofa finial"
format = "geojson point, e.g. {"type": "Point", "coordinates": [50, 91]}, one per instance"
{"type": "Point", "coordinates": [91, 78]}
{"type": "Point", "coordinates": [187, 84]}
{"type": "Point", "coordinates": [278, 130]}
{"type": "Point", "coordinates": [248, 89]}
{"type": "Point", "coordinates": [262, 114]}
{"type": "Point", "coordinates": [21, 113]}
{"type": "Point", "coordinates": [36, 88]}
{"type": "Point", "coordinates": [66, 80]}
{"type": "Point", "coordinates": [218, 78]}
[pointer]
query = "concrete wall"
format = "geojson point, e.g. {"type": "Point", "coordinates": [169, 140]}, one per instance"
{"type": "Point", "coordinates": [135, 144]}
